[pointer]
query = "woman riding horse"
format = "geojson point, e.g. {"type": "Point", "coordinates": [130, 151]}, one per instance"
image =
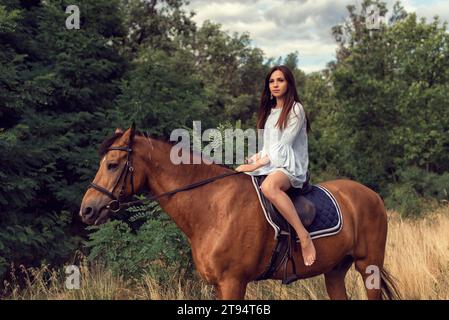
{"type": "Point", "coordinates": [231, 240]}
{"type": "Point", "coordinates": [284, 157]}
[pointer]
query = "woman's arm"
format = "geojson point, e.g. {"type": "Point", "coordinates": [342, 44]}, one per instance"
{"type": "Point", "coordinates": [278, 152]}
{"type": "Point", "coordinates": [253, 158]}
{"type": "Point", "coordinates": [262, 161]}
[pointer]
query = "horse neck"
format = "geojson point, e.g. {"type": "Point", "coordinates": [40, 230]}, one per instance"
{"type": "Point", "coordinates": [185, 207]}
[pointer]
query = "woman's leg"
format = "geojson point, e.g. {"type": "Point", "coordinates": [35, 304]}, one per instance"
{"type": "Point", "coordinates": [274, 187]}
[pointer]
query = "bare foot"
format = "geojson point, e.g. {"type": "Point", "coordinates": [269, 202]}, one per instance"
{"type": "Point", "coordinates": [308, 251]}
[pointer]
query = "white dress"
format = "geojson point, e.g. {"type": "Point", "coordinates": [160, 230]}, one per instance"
{"type": "Point", "coordinates": [287, 149]}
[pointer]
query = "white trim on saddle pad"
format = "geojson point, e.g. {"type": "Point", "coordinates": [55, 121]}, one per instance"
{"type": "Point", "coordinates": [275, 227]}
{"type": "Point", "coordinates": [315, 234]}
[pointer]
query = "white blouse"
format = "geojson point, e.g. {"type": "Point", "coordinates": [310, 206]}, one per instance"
{"type": "Point", "coordinates": [287, 149]}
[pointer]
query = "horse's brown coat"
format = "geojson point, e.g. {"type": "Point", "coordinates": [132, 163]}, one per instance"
{"type": "Point", "coordinates": [230, 239]}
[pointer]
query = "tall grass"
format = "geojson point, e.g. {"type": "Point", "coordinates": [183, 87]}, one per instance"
{"type": "Point", "coordinates": [417, 256]}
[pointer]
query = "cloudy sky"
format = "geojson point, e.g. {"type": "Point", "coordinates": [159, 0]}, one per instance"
{"type": "Point", "coordinates": [279, 27]}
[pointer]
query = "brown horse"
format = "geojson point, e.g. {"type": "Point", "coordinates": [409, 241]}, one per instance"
{"type": "Point", "coordinates": [223, 220]}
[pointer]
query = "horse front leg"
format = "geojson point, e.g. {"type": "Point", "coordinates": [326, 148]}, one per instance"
{"type": "Point", "coordinates": [231, 289]}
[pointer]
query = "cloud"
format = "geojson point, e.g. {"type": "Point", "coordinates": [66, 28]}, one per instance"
{"type": "Point", "coordinates": [280, 27]}
{"type": "Point", "coordinates": [224, 12]}
{"type": "Point", "coordinates": [440, 8]}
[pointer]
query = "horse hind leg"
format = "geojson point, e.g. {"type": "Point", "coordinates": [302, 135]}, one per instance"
{"type": "Point", "coordinates": [369, 258]}
{"type": "Point", "coordinates": [335, 279]}
{"type": "Point", "coordinates": [379, 283]}
{"type": "Point", "coordinates": [369, 252]}
{"type": "Point", "coordinates": [371, 273]}
{"type": "Point", "coordinates": [369, 263]}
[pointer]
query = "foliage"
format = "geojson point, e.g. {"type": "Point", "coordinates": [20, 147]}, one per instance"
{"type": "Point", "coordinates": [389, 87]}
{"type": "Point", "coordinates": [405, 200]}
{"type": "Point", "coordinates": [156, 246]}
{"type": "Point", "coordinates": [163, 92]}
{"type": "Point", "coordinates": [55, 98]}
{"type": "Point", "coordinates": [415, 189]}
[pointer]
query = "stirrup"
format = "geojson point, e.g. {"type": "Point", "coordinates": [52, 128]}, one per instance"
{"type": "Point", "coordinates": [290, 279]}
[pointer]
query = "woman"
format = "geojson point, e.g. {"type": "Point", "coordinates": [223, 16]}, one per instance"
{"type": "Point", "coordinates": [284, 156]}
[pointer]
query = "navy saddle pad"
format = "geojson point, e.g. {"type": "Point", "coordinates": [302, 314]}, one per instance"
{"type": "Point", "coordinates": [328, 219]}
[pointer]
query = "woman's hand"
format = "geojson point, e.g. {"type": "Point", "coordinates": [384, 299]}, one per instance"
{"type": "Point", "coordinates": [260, 162]}
{"type": "Point", "coordinates": [246, 168]}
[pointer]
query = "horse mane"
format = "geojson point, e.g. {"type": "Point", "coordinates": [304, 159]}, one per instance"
{"type": "Point", "coordinates": [109, 141]}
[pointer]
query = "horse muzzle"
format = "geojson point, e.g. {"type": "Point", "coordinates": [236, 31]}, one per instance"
{"type": "Point", "coordinates": [94, 215]}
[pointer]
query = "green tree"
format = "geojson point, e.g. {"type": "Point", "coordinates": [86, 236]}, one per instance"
{"type": "Point", "coordinates": [391, 112]}
{"type": "Point", "coordinates": [420, 72]}
{"type": "Point", "coordinates": [163, 92]}
{"type": "Point", "coordinates": [156, 24]}
{"type": "Point", "coordinates": [55, 102]}
{"type": "Point", "coordinates": [232, 72]}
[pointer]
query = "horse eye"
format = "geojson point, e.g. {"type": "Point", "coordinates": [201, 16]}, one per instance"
{"type": "Point", "coordinates": [112, 166]}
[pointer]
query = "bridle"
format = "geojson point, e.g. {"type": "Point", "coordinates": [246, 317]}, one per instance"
{"type": "Point", "coordinates": [117, 204]}
{"type": "Point", "coordinates": [128, 170]}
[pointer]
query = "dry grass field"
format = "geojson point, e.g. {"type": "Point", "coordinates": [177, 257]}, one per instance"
{"type": "Point", "coordinates": [417, 256]}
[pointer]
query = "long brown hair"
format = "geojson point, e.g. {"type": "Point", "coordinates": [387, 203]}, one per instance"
{"type": "Point", "coordinates": [291, 96]}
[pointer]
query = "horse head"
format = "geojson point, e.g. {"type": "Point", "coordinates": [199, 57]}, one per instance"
{"type": "Point", "coordinates": [119, 176]}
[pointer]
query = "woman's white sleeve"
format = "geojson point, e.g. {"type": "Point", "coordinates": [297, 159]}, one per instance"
{"type": "Point", "coordinates": [281, 153]}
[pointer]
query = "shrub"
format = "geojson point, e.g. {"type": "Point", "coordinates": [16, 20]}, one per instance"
{"type": "Point", "coordinates": [427, 184]}
{"type": "Point", "coordinates": [404, 199]}
{"type": "Point", "coordinates": [157, 246]}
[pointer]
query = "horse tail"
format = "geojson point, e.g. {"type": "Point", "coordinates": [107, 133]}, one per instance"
{"type": "Point", "coordinates": [388, 283]}
{"type": "Point", "coordinates": [389, 286]}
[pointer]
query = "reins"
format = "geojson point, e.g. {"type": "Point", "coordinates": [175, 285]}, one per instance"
{"type": "Point", "coordinates": [116, 204]}
{"type": "Point", "coordinates": [168, 193]}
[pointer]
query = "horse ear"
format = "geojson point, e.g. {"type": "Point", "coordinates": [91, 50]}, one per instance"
{"type": "Point", "coordinates": [118, 130]}
{"type": "Point", "coordinates": [133, 126]}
